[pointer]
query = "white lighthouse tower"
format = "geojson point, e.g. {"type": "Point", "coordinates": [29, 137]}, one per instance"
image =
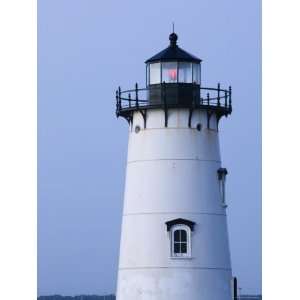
{"type": "Point", "coordinates": [174, 243]}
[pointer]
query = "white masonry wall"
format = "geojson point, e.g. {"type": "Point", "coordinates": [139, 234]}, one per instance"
{"type": "Point", "coordinates": [172, 173]}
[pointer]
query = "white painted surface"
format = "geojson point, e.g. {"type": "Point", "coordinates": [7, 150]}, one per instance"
{"type": "Point", "coordinates": [172, 173]}
{"type": "Point", "coordinates": [169, 284]}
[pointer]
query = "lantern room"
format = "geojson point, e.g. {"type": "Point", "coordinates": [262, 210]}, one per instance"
{"type": "Point", "coordinates": [173, 65]}
{"type": "Point", "coordinates": [173, 81]}
{"type": "Point", "coordinates": [173, 75]}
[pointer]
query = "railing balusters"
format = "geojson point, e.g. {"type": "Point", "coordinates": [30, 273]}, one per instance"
{"type": "Point", "coordinates": [230, 97]}
{"type": "Point", "coordinates": [194, 94]}
{"type": "Point", "coordinates": [136, 95]}
{"type": "Point", "coordinates": [200, 93]}
{"type": "Point", "coordinates": [218, 94]}
{"type": "Point", "coordinates": [120, 99]}
{"type": "Point", "coordinates": [129, 99]}
{"type": "Point", "coordinates": [117, 98]}
{"type": "Point", "coordinates": [117, 103]}
{"type": "Point", "coordinates": [214, 98]}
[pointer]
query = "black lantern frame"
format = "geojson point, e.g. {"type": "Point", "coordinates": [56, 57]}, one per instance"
{"type": "Point", "coordinates": [164, 95]}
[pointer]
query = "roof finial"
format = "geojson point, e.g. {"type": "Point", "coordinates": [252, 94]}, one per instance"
{"type": "Point", "coordinates": [173, 37]}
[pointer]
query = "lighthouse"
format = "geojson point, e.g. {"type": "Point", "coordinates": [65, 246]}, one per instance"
{"type": "Point", "coordinates": [174, 237]}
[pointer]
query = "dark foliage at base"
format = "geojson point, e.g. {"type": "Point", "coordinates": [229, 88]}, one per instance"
{"type": "Point", "coordinates": [113, 297]}
{"type": "Point", "coordinates": [80, 297]}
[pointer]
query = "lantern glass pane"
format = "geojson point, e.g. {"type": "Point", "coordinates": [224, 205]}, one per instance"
{"type": "Point", "coordinates": [169, 72]}
{"type": "Point", "coordinates": [154, 73]}
{"type": "Point", "coordinates": [196, 73]}
{"type": "Point", "coordinates": [147, 75]}
{"type": "Point", "coordinates": [185, 72]}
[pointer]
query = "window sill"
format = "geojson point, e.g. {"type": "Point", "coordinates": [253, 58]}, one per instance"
{"type": "Point", "coordinates": [181, 257]}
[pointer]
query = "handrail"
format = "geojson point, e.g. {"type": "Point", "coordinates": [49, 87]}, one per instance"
{"type": "Point", "coordinates": [214, 97]}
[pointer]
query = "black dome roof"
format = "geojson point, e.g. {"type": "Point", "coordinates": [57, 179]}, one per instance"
{"type": "Point", "coordinates": [173, 52]}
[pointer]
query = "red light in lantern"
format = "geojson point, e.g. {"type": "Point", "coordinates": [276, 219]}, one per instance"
{"type": "Point", "coordinates": [173, 74]}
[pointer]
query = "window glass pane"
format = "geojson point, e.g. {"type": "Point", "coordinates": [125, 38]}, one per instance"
{"type": "Point", "coordinates": [177, 236]}
{"type": "Point", "coordinates": [176, 247]}
{"type": "Point", "coordinates": [180, 242]}
{"type": "Point", "coordinates": [183, 236]}
{"type": "Point", "coordinates": [183, 248]}
{"type": "Point", "coordinates": [196, 73]}
{"type": "Point", "coordinates": [185, 72]}
{"type": "Point", "coordinates": [154, 73]}
{"type": "Point", "coordinates": [169, 72]}
{"type": "Point", "coordinates": [147, 75]}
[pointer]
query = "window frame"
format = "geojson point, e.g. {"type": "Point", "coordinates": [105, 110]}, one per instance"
{"type": "Point", "coordinates": [188, 231]}
{"type": "Point", "coordinates": [222, 173]}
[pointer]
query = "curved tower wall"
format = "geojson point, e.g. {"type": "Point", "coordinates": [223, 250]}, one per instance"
{"type": "Point", "coordinates": [172, 173]}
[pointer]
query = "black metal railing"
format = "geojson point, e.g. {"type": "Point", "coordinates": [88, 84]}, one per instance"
{"type": "Point", "coordinates": [139, 98]}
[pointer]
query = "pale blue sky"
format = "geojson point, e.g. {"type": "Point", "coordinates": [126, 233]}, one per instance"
{"type": "Point", "coordinates": [86, 48]}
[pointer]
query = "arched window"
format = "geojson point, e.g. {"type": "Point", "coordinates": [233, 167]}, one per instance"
{"type": "Point", "coordinates": [180, 237]}
{"type": "Point", "coordinates": [180, 241]}
{"type": "Point", "coordinates": [222, 172]}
